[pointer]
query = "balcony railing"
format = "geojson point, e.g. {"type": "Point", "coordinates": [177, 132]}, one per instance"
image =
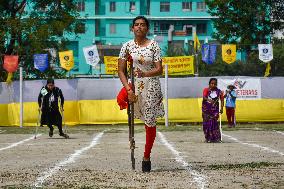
{"type": "Point", "coordinates": [175, 33]}
{"type": "Point", "coordinates": [161, 32]}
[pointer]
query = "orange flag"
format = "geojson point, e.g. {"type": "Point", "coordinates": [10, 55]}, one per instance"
{"type": "Point", "coordinates": [11, 63]}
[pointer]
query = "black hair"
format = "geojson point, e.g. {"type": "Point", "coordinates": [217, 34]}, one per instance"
{"type": "Point", "coordinates": [141, 17]}
{"type": "Point", "coordinates": [213, 79]}
{"type": "Point", "coordinates": [50, 80]}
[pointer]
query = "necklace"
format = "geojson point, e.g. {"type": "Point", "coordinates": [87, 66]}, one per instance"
{"type": "Point", "coordinates": [141, 43]}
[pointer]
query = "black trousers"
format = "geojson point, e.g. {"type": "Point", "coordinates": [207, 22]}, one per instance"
{"type": "Point", "coordinates": [52, 117]}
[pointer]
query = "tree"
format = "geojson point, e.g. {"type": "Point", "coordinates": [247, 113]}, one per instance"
{"type": "Point", "coordinates": [246, 21]}
{"type": "Point", "coordinates": [29, 27]}
{"type": "Point", "coordinates": [277, 65]}
{"type": "Point", "coordinates": [277, 15]}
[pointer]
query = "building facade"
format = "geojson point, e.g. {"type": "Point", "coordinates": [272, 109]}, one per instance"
{"type": "Point", "coordinates": [108, 24]}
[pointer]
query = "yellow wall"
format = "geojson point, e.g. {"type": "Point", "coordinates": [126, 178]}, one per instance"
{"type": "Point", "coordinates": [107, 112]}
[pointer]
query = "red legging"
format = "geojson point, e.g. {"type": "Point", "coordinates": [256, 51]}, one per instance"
{"type": "Point", "coordinates": [230, 115]}
{"type": "Point", "coordinates": [150, 138]}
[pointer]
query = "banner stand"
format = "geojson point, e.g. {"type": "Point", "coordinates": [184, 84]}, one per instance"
{"type": "Point", "coordinates": [21, 97]}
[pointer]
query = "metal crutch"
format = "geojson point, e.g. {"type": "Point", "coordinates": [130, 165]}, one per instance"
{"type": "Point", "coordinates": [62, 115]}
{"type": "Point", "coordinates": [39, 118]}
{"type": "Point", "coordinates": [130, 112]}
{"type": "Point", "coordinates": [63, 120]}
{"type": "Point", "coordinates": [220, 121]}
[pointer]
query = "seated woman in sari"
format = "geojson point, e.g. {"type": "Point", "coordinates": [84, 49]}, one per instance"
{"type": "Point", "coordinates": [210, 111]}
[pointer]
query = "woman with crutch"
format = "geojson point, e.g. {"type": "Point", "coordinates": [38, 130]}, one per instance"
{"type": "Point", "coordinates": [210, 111]}
{"type": "Point", "coordinates": [147, 97]}
{"type": "Point", "coordinates": [48, 99]}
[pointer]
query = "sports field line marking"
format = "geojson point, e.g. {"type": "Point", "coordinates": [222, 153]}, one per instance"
{"type": "Point", "coordinates": [2, 131]}
{"type": "Point", "coordinates": [197, 177]}
{"type": "Point", "coordinates": [70, 159]}
{"type": "Point", "coordinates": [279, 132]}
{"type": "Point", "coordinates": [18, 143]}
{"type": "Point", "coordinates": [255, 145]}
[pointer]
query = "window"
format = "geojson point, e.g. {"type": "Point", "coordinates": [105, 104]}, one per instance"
{"type": "Point", "coordinates": [132, 6]}
{"type": "Point", "coordinates": [112, 28]}
{"type": "Point", "coordinates": [112, 6]}
{"type": "Point", "coordinates": [97, 27]}
{"type": "Point", "coordinates": [156, 27]}
{"type": "Point", "coordinates": [81, 5]}
{"type": "Point", "coordinates": [187, 6]}
{"type": "Point", "coordinates": [164, 26]}
{"type": "Point", "coordinates": [97, 7]}
{"type": "Point", "coordinates": [188, 30]}
{"type": "Point", "coordinates": [165, 6]}
{"type": "Point", "coordinates": [201, 6]}
{"type": "Point", "coordinates": [201, 28]}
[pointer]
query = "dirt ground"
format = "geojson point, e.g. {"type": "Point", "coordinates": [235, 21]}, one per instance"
{"type": "Point", "coordinates": [99, 157]}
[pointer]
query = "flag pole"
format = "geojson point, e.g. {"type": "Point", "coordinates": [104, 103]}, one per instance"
{"type": "Point", "coordinates": [197, 63]}
{"type": "Point", "coordinates": [21, 97]}
{"type": "Point", "coordinates": [166, 96]}
{"type": "Point", "coordinates": [195, 50]}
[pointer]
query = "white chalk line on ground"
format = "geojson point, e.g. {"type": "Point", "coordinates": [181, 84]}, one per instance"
{"type": "Point", "coordinates": [2, 131]}
{"type": "Point", "coordinates": [279, 132]}
{"type": "Point", "coordinates": [197, 177]}
{"type": "Point", "coordinates": [255, 145]}
{"type": "Point", "coordinates": [70, 159]}
{"type": "Point", "coordinates": [18, 143]}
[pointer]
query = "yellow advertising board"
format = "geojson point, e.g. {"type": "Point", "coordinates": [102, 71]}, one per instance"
{"type": "Point", "coordinates": [111, 64]}
{"type": "Point", "coordinates": [179, 65]}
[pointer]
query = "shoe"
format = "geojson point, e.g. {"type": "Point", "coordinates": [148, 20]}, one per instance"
{"type": "Point", "coordinates": [146, 166]}
{"type": "Point", "coordinates": [64, 135]}
{"type": "Point", "coordinates": [50, 132]}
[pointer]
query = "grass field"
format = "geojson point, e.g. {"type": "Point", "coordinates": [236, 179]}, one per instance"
{"type": "Point", "coordinates": [98, 156]}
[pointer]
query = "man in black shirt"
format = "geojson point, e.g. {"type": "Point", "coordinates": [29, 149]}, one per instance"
{"type": "Point", "coordinates": [48, 99]}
